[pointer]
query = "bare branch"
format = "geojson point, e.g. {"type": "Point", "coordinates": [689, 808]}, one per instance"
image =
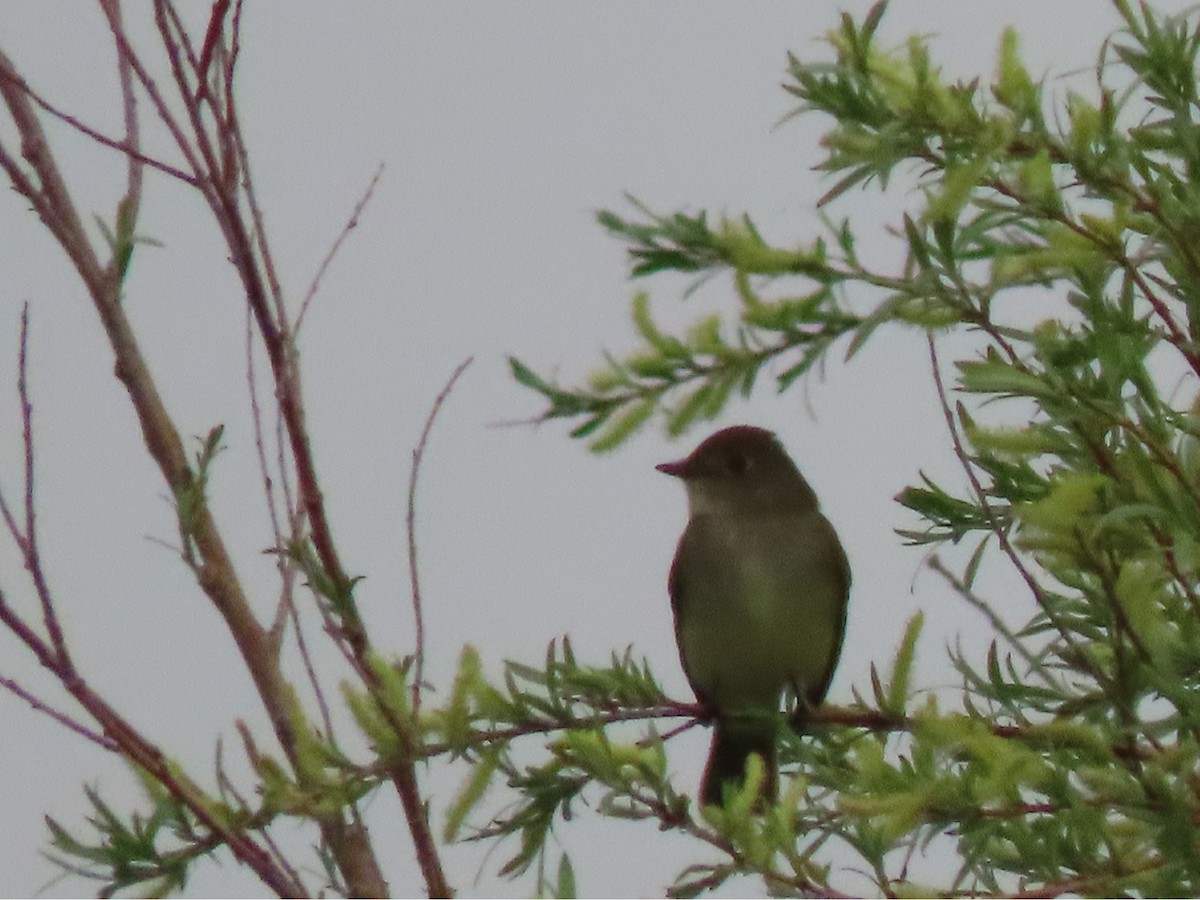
{"type": "Point", "coordinates": [49, 195]}
{"type": "Point", "coordinates": [24, 534]}
{"type": "Point", "coordinates": [207, 134]}
{"type": "Point", "coordinates": [351, 224]}
{"type": "Point", "coordinates": [211, 38]}
{"type": "Point", "coordinates": [161, 108]}
{"type": "Point", "coordinates": [414, 579]}
{"type": "Point", "coordinates": [286, 607]}
{"type": "Point", "coordinates": [33, 559]}
{"type": "Point", "coordinates": [62, 718]}
{"type": "Point", "coordinates": [130, 205]}
{"type": "Point", "coordinates": [122, 146]}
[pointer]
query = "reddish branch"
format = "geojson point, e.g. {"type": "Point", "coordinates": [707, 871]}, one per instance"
{"type": "Point", "coordinates": [414, 579]}
{"type": "Point", "coordinates": [117, 734]}
{"type": "Point", "coordinates": [210, 143]}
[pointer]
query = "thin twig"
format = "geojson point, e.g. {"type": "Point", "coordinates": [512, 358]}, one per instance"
{"type": "Point", "coordinates": [131, 203]}
{"type": "Point", "coordinates": [279, 546]}
{"type": "Point", "coordinates": [960, 588]}
{"type": "Point", "coordinates": [350, 225]}
{"type": "Point", "coordinates": [413, 577]}
{"type": "Point", "coordinates": [211, 37]}
{"type": "Point", "coordinates": [182, 37]}
{"type": "Point", "coordinates": [273, 333]}
{"type": "Point", "coordinates": [674, 732]}
{"type": "Point", "coordinates": [27, 538]}
{"type": "Point", "coordinates": [994, 525]}
{"type": "Point", "coordinates": [286, 607]}
{"type": "Point", "coordinates": [62, 718]}
{"type": "Point", "coordinates": [236, 146]}
{"type": "Point", "coordinates": [128, 149]}
{"type": "Point", "coordinates": [49, 196]}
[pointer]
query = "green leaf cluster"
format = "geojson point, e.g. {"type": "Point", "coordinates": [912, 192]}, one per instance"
{"type": "Point", "coordinates": [1056, 226]}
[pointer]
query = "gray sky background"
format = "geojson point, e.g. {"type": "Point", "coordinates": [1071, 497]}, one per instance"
{"type": "Point", "coordinates": [503, 128]}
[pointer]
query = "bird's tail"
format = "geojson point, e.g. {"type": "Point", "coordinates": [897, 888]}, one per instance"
{"type": "Point", "coordinates": [734, 739]}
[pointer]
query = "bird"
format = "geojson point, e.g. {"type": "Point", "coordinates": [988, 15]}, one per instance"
{"type": "Point", "coordinates": [759, 588]}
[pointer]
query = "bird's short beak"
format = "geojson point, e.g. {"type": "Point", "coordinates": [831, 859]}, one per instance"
{"type": "Point", "coordinates": [676, 468]}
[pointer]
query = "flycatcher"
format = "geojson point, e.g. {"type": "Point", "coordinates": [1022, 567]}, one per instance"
{"type": "Point", "coordinates": [759, 588]}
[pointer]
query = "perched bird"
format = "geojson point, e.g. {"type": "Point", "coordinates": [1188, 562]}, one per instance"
{"type": "Point", "coordinates": [759, 588]}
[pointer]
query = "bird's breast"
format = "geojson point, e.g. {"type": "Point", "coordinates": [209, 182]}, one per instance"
{"type": "Point", "coordinates": [762, 610]}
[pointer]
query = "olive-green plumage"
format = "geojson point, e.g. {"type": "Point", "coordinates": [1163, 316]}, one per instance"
{"type": "Point", "coordinates": [759, 588]}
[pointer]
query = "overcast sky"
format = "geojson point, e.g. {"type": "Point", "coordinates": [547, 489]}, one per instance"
{"type": "Point", "coordinates": [503, 129]}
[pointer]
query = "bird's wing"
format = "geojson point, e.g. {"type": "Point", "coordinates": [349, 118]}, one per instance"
{"type": "Point", "coordinates": [695, 539]}
{"type": "Point", "coordinates": [838, 561]}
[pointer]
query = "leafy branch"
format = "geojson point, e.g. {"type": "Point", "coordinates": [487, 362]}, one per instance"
{"type": "Point", "coordinates": [1066, 770]}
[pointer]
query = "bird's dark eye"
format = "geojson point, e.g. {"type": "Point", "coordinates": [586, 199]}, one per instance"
{"type": "Point", "coordinates": [737, 463]}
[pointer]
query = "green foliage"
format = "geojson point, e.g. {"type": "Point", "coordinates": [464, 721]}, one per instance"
{"type": "Point", "coordinates": [481, 722]}
{"type": "Point", "coordinates": [131, 853]}
{"type": "Point", "coordinates": [703, 367]}
{"type": "Point", "coordinates": [1066, 761]}
{"type": "Point", "coordinates": [121, 242]}
{"type": "Point", "coordinates": [335, 595]}
{"type": "Point", "coordinates": [1071, 765]}
{"type": "Point", "coordinates": [190, 499]}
